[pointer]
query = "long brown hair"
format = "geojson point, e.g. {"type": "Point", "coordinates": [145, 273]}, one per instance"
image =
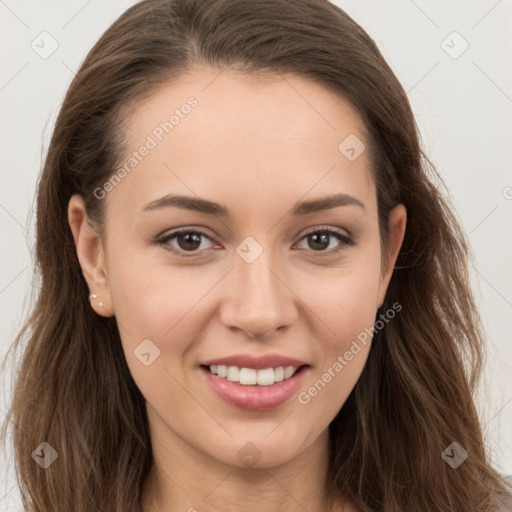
{"type": "Point", "coordinates": [73, 388]}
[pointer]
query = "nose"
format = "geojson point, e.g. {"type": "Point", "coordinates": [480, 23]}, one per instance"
{"type": "Point", "coordinates": [258, 301]}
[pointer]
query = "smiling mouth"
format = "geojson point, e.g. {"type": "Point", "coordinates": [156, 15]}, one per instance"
{"type": "Point", "coordinates": [251, 376]}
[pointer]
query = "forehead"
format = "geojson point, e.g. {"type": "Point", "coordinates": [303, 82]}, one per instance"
{"type": "Point", "coordinates": [212, 132]}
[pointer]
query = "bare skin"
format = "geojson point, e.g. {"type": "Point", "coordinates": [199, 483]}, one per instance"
{"type": "Point", "coordinates": [257, 146]}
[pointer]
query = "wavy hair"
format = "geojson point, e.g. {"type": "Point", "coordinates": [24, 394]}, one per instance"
{"type": "Point", "coordinates": [73, 388]}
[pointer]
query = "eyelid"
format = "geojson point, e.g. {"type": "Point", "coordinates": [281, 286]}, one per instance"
{"type": "Point", "coordinates": [331, 229]}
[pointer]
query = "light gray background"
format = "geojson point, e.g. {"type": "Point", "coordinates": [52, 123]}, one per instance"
{"type": "Point", "coordinates": [463, 106]}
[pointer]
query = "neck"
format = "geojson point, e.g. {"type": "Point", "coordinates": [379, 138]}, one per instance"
{"type": "Point", "coordinates": [183, 479]}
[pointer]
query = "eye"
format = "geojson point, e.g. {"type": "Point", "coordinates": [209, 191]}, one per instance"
{"type": "Point", "coordinates": [320, 239]}
{"type": "Point", "coordinates": [187, 240]}
{"type": "Point", "coordinates": [191, 241]}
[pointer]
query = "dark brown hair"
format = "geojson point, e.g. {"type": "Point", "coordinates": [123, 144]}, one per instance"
{"type": "Point", "coordinates": [73, 388]}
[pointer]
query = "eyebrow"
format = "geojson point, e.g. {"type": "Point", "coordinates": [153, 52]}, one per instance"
{"type": "Point", "coordinates": [211, 208]}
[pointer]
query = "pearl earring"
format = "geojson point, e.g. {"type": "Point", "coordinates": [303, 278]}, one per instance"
{"type": "Point", "coordinates": [94, 297]}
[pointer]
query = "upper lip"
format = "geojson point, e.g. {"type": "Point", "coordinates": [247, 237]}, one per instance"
{"type": "Point", "coordinates": [258, 363]}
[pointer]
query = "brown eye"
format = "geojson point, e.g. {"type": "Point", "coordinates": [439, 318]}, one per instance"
{"type": "Point", "coordinates": [187, 241]}
{"type": "Point", "coordinates": [320, 240]}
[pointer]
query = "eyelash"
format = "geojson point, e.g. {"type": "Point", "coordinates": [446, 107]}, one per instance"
{"type": "Point", "coordinates": [344, 239]}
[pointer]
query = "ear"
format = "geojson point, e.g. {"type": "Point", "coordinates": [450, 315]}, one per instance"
{"type": "Point", "coordinates": [91, 256]}
{"type": "Point", "coordinates": [397, 223]}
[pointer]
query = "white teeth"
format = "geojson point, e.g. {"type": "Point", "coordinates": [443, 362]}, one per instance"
{"type": "Point", "coordinates": [233, 374]}
{"type": "Point", "coordinates": [265, 377]}
{"type": "Point", "coordinates": [279, 374]}
{"type": "Point", "coordinates": [289, 371]}
{"type": "Point", "coordinates": [250, 376]}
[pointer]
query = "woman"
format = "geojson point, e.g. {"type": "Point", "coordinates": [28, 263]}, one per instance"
{"type": "Point", "coordinates": [253, 295]}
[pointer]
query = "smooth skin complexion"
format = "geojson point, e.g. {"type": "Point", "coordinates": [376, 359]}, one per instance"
{"type": "Point", "coordinates": [257, 146]}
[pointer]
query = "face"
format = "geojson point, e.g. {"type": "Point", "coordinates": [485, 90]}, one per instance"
{"type": "Point", "coordinates": [260, 274]}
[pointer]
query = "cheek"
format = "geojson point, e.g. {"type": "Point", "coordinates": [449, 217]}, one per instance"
{"type": "Point", "coordinates": [344, 299]}
{"type": "Point", "coordinates": [342, 353]}
{"type": "Point", "coordinates": [347, 308]}
{"type": "Point", "coordinates": [148, 296]}
{"type": "Point", "coordinates": [161, 311]}
{"type": "Point", "coordinates": [153, 302]}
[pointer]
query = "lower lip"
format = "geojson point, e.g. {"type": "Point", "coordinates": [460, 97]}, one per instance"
{"type": "Point", "coordinates": [255, 398]}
